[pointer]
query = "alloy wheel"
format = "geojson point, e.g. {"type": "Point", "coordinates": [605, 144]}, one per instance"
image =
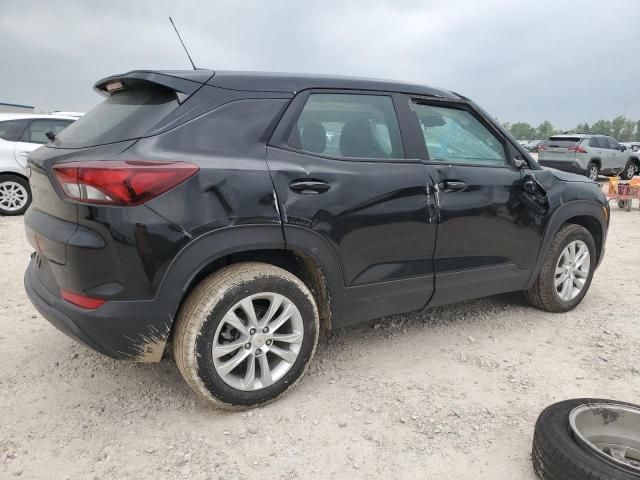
{"type": "Point", "coordinates": [593, 173]}
{"type": "Point", "coordinates": [13, 196]}
{"type": "Point", "coordinates": [631, 170]}
{"type": "Point", "coordinates": [572, 270]}
{"type": "Point", "coordinates": [257, 341]}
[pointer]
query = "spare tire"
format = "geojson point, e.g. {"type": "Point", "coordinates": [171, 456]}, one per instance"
{"type": "Point", "coordinates": [560, 454]}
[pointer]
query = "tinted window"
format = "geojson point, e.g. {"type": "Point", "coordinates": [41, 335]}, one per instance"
{"type": "Point", "coordinates": [613, 144]}
{"type": "Point", "coordinates": [37, 131]}
{"type": "Point", "coordinates": [456, 136]}
{"type": "Point", "coordinates": [124, 115]}
{"type": "Point", "coordinates": [12, 129]}
{"type": "Point", "coordinates": [593, 142]}
{"type": "Point", "coordinates": [349, 126]}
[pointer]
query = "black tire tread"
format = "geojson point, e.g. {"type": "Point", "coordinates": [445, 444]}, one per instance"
{"type": "Point", "coordinates": [539, 295]}
{"type": "Point", "coordinates": [201, 300]}
{"type": "Point", "coordinates": [557, 457]}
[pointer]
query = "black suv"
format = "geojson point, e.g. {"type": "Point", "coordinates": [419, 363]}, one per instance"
{"type": "Point", "coordinates": [240, 214]}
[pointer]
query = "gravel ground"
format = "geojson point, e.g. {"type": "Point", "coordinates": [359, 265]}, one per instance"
{"type": "Point", "coordinates": [450, 393]}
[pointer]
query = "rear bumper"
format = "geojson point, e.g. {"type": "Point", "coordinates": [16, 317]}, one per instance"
{"type": "Point", "coordinates": [571, 167]}
{"type": "Point", "coordinates": [131, 330]}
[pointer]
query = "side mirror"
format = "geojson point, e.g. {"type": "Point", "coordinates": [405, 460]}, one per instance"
{"type": "Point", "coordinates": [520, 164]}
{"type": "Point", "coordinates": [623, 148]}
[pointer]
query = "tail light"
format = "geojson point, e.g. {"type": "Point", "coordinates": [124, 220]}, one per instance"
{"type": "Point", "coordinates": [120, 182]}
{"type": "Point", "coordinates": [577, 149]}
{"type": "Point", "coordinates": [81, 300]}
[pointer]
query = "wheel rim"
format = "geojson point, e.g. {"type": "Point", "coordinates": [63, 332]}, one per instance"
{"type": "Point", "coordinates": [572, 270]}
{"type": "Point", "coordinates": [257, 341]}
{"type": "Point", "coordinates": [631, 170]}
{"type": "Point", "coordinates": [611, 431]}
{"type": "Point", "coordinates": [13, 196]}
{"type": "Point", "coordinates": [593, 173]}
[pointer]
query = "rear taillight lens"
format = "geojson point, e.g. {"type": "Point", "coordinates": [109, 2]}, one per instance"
{"type": "Point", "coordinates": [120, 182]}
{"type": "Point", "coordinates": [83, 301]}
{"type": "Point", "coordinates": [578, 149]}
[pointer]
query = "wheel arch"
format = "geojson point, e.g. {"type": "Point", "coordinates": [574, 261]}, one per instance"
{"type": "Point", "coordinates": [302, 257]}
{"type": "Point", "coordinates": [588, 214]}
{"type": "Point", "coordinates": [14, 174]}
{"type": "Point", "coordinates": [597, 161]}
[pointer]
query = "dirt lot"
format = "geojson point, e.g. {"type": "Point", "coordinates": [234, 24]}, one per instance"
{"type": "Point", "coordinates": [446, 393]}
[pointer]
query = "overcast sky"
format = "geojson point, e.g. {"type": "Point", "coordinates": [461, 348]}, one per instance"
{"type": "Point", "coordinates": [563, 61]}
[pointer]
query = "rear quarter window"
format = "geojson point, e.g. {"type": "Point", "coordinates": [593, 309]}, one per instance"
{"type": "Point", "coordinates": [11, 130]}
{"type": "Point", "coordinates": [125, 115]}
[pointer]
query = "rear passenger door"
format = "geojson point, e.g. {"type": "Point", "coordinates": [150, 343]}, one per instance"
{"type": "Point", "coordinates": [344, 178]}
{"type": "Point", "coordinates": [488, 239]}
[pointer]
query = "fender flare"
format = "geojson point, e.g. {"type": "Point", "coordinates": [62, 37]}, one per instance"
{"type": "Point", "coordinates": [212, 246]}
{"type": "Point", "coordinates": [208, 248]}
{"type": "Point", "coordinates": [566, 212]}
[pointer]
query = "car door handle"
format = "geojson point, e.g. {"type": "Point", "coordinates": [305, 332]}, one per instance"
{"type": "Point", "coordinates": [309, 186]}
{"type": "Point", "coordinates": [452, 185]}
{"type": "Point", "coordinates": [23, 154]}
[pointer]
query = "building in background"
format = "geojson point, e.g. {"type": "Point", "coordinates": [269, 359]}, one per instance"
{"type": "Point", "coordinates": [15, 108]}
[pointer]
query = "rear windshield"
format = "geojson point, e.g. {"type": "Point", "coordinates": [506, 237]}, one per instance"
{"type": "Point", "coordinates": [563, 141]}
{"type": "Point", "coordinates": [123, 116]}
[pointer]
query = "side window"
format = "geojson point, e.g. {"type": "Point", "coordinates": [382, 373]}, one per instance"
{"type": "Point", "coordinates": [11, 130]}
{"type": "Point", "coordinates": [613, 143]}
{"type": "Point", "coordinates": [593, 142]}
{"type": "Point", "coordinates": [602, 142]}
{"type": "Point", "coordinates": [348, 126]}
{"type": "Point", "coordinates": [36, 133]}
{"type": "Point", "coordinates": [456, 136]}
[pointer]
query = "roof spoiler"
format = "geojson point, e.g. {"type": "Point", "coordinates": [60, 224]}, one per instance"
{"type": "Point", "coordinates": [183, 83]}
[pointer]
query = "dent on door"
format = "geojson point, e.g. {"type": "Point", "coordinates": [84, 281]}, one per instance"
{"type": "Point", "coordinates": [491, 223]}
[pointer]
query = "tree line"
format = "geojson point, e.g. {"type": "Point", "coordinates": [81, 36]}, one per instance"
{"type": "Point", "coordinates": [620, 128]}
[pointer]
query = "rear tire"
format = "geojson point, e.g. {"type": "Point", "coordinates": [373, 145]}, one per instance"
{"type": "Point", "coordinates": [545, 294]}
{"type": "Point", "coordinates": [15, 195]}
{"type": "Point", "coordinates": [225, 321]}
{"type": "Point", "coordinates": [593, 170]}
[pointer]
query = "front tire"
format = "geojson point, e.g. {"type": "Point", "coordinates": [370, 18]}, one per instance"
{"type": "Point", "coordinates": [566, 272]}
{"type": "Point", "coordinates": [246, 334]}
{"type": "Point", "coordinates": [15, 195]}
{"type": "Point", "coordinates": [629, 170]}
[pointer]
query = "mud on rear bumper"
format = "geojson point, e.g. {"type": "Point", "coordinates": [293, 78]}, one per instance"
{"type": "Point", "coordinates": [128, 330]}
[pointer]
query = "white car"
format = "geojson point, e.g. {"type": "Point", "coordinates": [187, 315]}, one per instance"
{"type": "Point", "coordinates": [20, 134]}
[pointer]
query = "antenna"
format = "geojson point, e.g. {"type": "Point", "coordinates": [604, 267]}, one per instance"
{"type": "Point", "coordinates": [183, 45]}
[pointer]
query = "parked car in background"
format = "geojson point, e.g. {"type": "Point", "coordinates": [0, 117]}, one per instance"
{"type": "Point", "coordinates": [59, 113]}
{"type": "Point", "coordinates": [241, 213]}
{"type": "Point", "coordinates": [633, 146]}
{"type": "Point", "coordinates": [589, 155]}
{"type": "Point", "coordinates": [20, 134]}
{"type": "Point", "coordinates": [533, 145]}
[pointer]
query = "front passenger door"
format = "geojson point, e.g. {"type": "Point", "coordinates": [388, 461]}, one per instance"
{"type": "Point", "coordinates": [488, 238]}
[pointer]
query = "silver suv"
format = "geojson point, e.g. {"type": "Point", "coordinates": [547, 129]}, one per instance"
{"type": "Point", "coordinates": [589, 155]}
